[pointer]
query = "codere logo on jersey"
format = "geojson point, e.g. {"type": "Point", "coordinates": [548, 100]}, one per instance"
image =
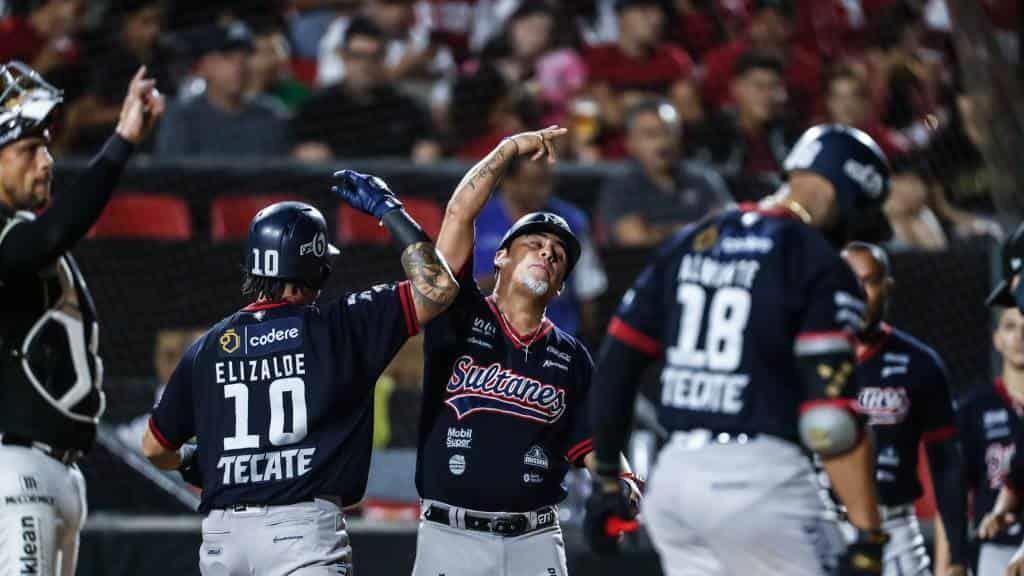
{"type": "Point", "coordinates": [263, 338]}
{"type": "Point", "coordinates": [492, 388]}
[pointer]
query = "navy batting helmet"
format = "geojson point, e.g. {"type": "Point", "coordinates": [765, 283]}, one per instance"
{"type": "Point", "coordinates": [538, 222]}
{"type": "Point", "coordinates": [27, 102]}
{"type": "Point", "coordinates": [849, 159]}
{"type": "Point", "coordinates": [288, 240]}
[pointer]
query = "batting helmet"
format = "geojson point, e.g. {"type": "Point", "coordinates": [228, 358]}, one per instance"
{"type": "Point", "coordinates": [288, 240]}
{"type": "Point", "coordinates": [849, 159]}
{"type": "Point", "coordinates": [27, 102]}
{"type": "Point", "coordinates": [538, 222]}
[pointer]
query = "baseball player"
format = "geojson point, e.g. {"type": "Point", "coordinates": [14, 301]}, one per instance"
{"type": "Point", "coordinates": [754, 314]}
{"type": "Point", "coordinates": [905, 395]}
{"type": "Point", "coordinates": [51, 375]}
{"type": "Point", "coordinates": [504, 410]}
{"type": "Point", "coordinates": [280, 393]}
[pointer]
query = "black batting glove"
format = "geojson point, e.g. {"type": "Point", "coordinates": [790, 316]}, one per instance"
{"type": "Point", "coordinates": [864, 556]}
{"type": "Point", "coordinates": [610, 513]}
{"type": "Point", "coordinates": [189, 467]}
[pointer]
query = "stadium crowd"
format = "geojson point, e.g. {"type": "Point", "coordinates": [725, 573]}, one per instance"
{"type": "Point", "coordinates": [702, 97]}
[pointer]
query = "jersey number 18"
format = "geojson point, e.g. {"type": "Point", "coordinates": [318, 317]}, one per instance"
{"type": "Point", "coordinates": [727, 317]}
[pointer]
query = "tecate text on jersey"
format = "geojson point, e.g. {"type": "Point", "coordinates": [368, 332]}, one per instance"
{"type": "Point", "coordinates": [265, 467]}
{"type": "Point", "coordinates": [260, 369]}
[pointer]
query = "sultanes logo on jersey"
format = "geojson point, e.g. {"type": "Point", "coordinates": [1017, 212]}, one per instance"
{"type": "Point", "coordinates": [492, 388]}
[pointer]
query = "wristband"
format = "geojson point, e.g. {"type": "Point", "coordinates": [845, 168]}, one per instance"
{"type": "Point", "coordinates": [403, 228]}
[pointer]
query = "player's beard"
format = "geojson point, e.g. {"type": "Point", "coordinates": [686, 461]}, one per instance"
{"type": "Point", "coordinates": [538, 287]}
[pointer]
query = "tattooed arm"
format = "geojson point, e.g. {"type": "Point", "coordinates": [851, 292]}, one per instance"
{"type": "Point", "coordinates": [455, 241]}
{"type": "Point", "coordinates": [433, 286]}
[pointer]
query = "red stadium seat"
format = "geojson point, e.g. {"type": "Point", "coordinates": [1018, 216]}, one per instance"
{"type": "Point", "coordinates": [137, 215]}
{"type": "Point", "coordinates": [354, 227]}
{"type": "Point", "coordinates": [230, 216]}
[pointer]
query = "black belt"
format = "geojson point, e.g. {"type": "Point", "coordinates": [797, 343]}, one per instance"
{"type": "Point", "coordinates": [504, 524]}
{"type": "Point", "coordinates": [65, 456]}
{"type": "Point", "coordinates": [254, 507]}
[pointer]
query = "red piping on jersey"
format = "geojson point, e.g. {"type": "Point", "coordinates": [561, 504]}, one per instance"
{"type": "Point", "coordinates": [634, 338]}
{"type": "Point", "coordinates": [580, 450]}
{"type": "Point", "coordinates": [867, 352]}
{"type": "Point", "coordinates": [939, 434]}
{"type": "Point", "coordinates": [517, 339]}
{"type": "Point", "coordinates": [159, 436]}
{"type": "Point", "coordinates": [776, 211]}
{"type": "Point", "coordinates": [412, 325]}
{"type": "Point", "coordinates": [845, 403]}
{"type": "Point", "coordinates": [266, 305]}
{"type": "Point", "coordinates": [1007, 399]}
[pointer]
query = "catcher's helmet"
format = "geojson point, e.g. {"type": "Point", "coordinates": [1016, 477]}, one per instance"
{"type": "Point", "coordinates": [288, 240]}
{"type": "Point", "coordinates": [535, 222]}
{"type": "Point", "coordinates": [27, 102]}
{"type": "Point", "coordinates": [849, 159]}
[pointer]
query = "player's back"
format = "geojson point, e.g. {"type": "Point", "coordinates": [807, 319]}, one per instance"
{"type": "Point", "coordinates": [281, 397]}
{"type": "Point", "coordinates": [731, 300]}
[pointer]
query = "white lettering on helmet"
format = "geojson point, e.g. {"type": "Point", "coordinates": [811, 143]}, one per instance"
{"type": "Point", "coordinates": [865, 175]}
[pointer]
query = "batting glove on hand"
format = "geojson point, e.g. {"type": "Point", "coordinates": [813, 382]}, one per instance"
{"type": "Point", "coordinates": [610, 514]}
{"type": "Point", "coordinates": [189, 467]}
{"type": "Point", "coordinates": [864, 555]}
{"type": "Point", "coordinates": [365, 193]}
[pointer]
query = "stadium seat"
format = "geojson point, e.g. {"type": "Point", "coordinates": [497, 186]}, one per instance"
{"type": "Point", "coordinates": [230, 215]}
{"type": "Point", "coordinates": [139, 215]}
{"type": "Point", "coordinates": [354, 227]}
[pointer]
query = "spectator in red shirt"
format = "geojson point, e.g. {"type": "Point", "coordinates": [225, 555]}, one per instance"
{"type": "Point", "coordinates": [748, 143]}
{"type": "Point", "coordinates": [42, 38]}
{"type": "Point", "coordinates": [769, 32]}
{"type": "Point", "coordinates": [848, 101]}
{"type": "Point", "coordinates": [639, 65]}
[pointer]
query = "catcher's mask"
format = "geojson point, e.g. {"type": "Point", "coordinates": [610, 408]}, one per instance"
{"type": "Point", "coordinates": [27, 102]}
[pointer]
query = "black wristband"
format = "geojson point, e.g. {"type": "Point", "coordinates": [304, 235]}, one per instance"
{"type": "Point", "coordinates": [117, 149]}
{"type": "Point", "coordinates": [403, 228]}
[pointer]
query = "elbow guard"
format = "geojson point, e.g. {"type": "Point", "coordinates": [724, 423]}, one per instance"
{"type": "Point", "coordinates": [829, 428]}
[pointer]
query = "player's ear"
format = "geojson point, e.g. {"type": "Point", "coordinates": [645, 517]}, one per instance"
{"type": "Point", "coordinates": [501, 258]}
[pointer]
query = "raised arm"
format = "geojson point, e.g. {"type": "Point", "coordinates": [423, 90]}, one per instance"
{"type": "Point", "coordinates": [433, 286]}
{"type": "Point", "coordinates": [455, 241]}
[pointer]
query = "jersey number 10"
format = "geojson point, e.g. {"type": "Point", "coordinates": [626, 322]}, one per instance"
{"type": "Point", "coordinates": [727, 317]}
{"type": "Point", "coordinates": [278, 437]}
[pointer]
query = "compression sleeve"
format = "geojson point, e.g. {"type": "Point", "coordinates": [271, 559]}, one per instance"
{"type": "Point", "coordinates": [946, 467]}
{"type": "Point", "coordinates": [403, 228]}
{"type": "Point", "coordinates": [616, 383]}
{"type": "Point", "coordinates": [31, 245]}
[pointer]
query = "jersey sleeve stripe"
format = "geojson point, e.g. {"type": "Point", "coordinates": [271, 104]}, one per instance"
{"type": "Point", "coordinates": [160, 437]}
{"type": "Point", "coordinates": [938, 435]}
{"type": "Point", "coordinates": [816, 343]}
{"type": "Point", "coordinates": [844, 403]}
{"type": "Point", "coordinates": [580, 450]}
{"type": "Point", "coordinates": [634, 338]}
{"type": "Point", "coordinates": [408, 310]}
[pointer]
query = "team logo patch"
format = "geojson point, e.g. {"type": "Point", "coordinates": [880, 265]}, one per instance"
{"type": "Point", "coordinates": [263, 338]}
{"type": "Point", "coordinates": [532, 478]}
{"type": "Point", "coordinates": [492, 388]}
{"type": "Point", "coordinates": [883, 405]}
{"type": "Point", "coordinates": [457, 464]}
{"type": "Point", "coordinates": [317, 246]}
{"type": "Point", "coordinates": [536, 457]}
{"type": "Point", "coordinates": [229, 341]}
{"type": "Point", "coordinates": [705, 239]}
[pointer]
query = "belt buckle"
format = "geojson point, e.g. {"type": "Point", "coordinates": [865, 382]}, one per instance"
{"type": "Point", "coordinates": [509, 525]}
{"type": "Point", "coordinates": [239, 508]}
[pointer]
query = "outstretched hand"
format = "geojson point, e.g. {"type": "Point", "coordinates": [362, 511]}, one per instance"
{"type": "Point", "coordinates": [365, 192]}
{"type": "Point", "coordinates": [142, 108]}
{"type": "Point", "coordinates": [539, 143]}
{"type": "Point", "coordinates": [994, 523]}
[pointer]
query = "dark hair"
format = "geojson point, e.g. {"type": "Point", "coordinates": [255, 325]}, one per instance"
{"type": "Point", "coordinates": [473, 99]}
{"type": "Point", "coordinates": [756, 60]}
{"type": "Point", "coordinates": [893, 21]}
{"type": "Point", "coordinates": [645, 106]}
{"type": "Point", "coordinates": [361, 26]}
{"type": "Point", "coordinates": [783, 7]}
{"type": "Point", "coordinates": [876, 252]}
{"type": "Point", "coordinates": [271, 288]}
{"type": "Point", "coordinates": [844, 72]}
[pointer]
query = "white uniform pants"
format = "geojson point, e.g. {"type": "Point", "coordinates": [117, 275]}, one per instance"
{"type": "Point", "coordinates": [450, 551]}
{"type": "Point", "coordinates": [738, 509]}
{"type": "Point", "coordinates": [994, 558]}
{"type": "Point", "coordinates": [42, 510]}
{"type": "Point", "coordinates": [304, 539]}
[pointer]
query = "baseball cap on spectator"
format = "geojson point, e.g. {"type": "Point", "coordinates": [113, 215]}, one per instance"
{"type": "Point", "coordinates": [1013, 264]}
{"type": "Point", "coordinates": [621, 5]}
{"type": "Point", "coordinates": [218, 38]}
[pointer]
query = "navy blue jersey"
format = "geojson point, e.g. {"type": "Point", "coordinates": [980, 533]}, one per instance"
{"type": "Point", "coordinates": [988, 423]}
{"type": "Point", "coordinates": [903, 388]}
{"type": "Point", "coordinates": [731, 302]}
{"type": "Point", "coordinates": [280, 397]}
{"type": "Point", "coordinates": [504, 415]}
